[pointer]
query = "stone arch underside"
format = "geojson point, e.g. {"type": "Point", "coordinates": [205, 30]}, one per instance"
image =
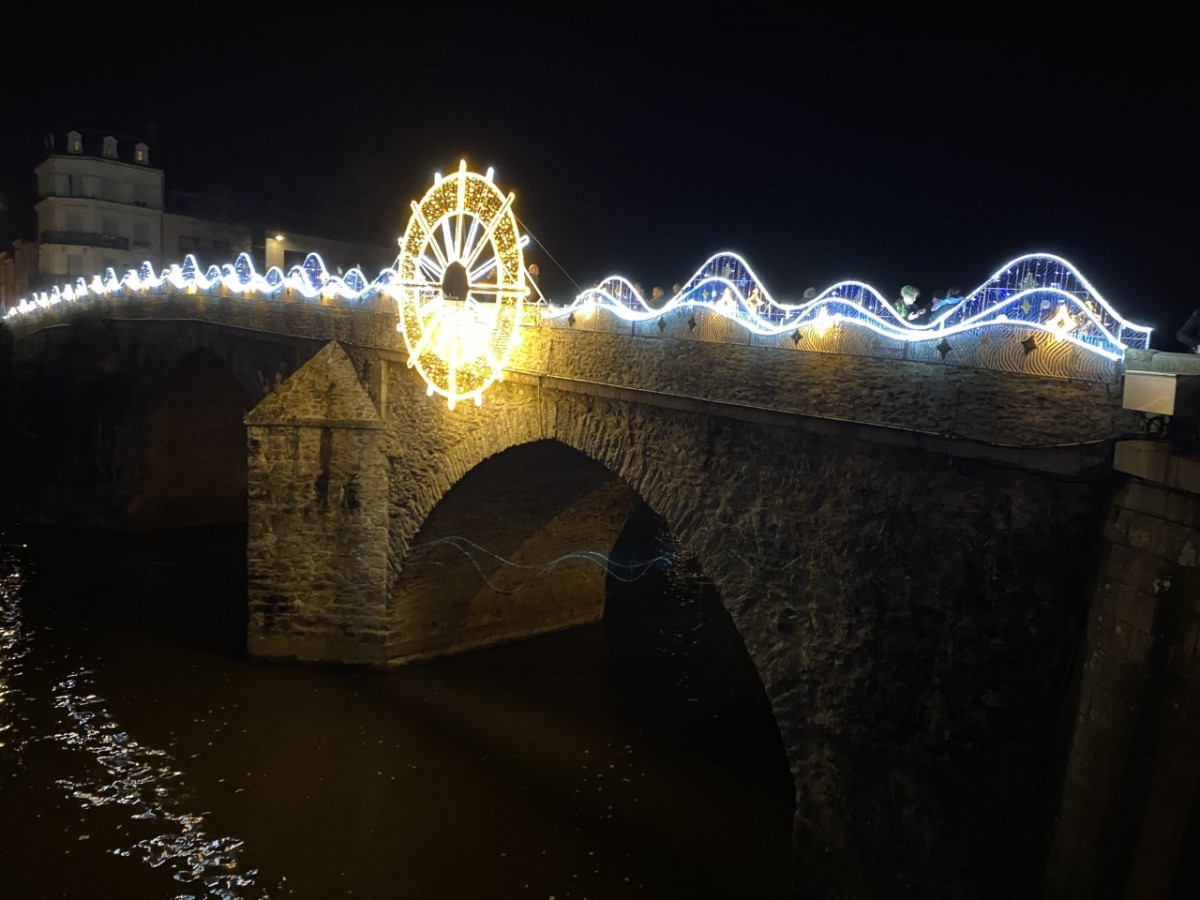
{"type": "Point", "coordinates": [910, 617]}
{"type": "Point", "coordinates": [87, 391]}
{"type": "Point", "coordinates": [192, 463]}
{"type": "Point", "coordinates": [517, 547]}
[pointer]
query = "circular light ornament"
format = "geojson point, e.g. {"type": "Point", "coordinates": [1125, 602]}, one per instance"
{"type": "Point", "coordinates": [460, 285]}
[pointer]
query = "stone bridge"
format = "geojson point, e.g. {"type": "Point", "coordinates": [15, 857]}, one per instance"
{"type": "Point", "coordinates": [918, 555]}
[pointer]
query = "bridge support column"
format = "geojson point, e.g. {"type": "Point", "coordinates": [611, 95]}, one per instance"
{"type": "Point", "coordinates": [317, 542]}
{"type": "Point", "coordinates": [1128, 822]}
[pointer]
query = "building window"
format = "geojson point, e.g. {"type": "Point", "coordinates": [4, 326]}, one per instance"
{"type": "Point", "coordinates": [110, 147]}
{"type": "Point", "coordinates": [74, 142]}
{"type": "Point", "coordinates": [141, 154]}
{"type": "Point", "coordinates": [74, 263]}
{"type": "Point", "coordinates": [108, 226]}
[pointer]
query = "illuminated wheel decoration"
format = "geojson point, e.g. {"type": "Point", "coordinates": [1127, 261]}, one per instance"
{"type": "Point", "coordinates": [461, 285]}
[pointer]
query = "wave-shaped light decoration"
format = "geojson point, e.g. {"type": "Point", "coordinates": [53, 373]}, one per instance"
{"type": "Point", "coordinates": [1038, 291]}
{"type": "Point", "coordinates": [311, 279]}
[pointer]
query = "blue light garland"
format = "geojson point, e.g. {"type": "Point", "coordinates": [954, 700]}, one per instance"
{"type": "Point", "coordinates": [1038, 291]}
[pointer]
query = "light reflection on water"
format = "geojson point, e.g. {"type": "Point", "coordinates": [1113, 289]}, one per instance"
{"type": "Point", "coordinates": [149, 759]}
{"type": "Point", "coordinates": [125, 773]}
{"type": "Point", "coordinates": [144, 780]}
{"type": "Point", "coordinates": [13, 648]}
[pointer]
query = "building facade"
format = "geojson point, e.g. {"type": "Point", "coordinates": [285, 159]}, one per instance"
{"type": "Point", "coordinates": [102, 204]}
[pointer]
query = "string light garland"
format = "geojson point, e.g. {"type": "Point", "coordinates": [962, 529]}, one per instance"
{"type": "Point", "coordinates": [624, 572]}
{"type": "Point", "coordinates": [311, 280]}
{"type": "Point", "coordinates": [460, 282]}
{"type": "Point", "coordinates": [1037, 291]}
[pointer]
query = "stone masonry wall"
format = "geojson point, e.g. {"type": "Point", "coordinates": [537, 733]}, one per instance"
{"type": "Point", "coordinates": [85, 379]}
{"type": "Point", "coordinates": [912, 616]}
{"type": "Point", "coordinates": [970, 403]}
{"type": "Point", "coordinates": [1127, 824]}
{"type": "Point", "coordinates": [317, 552]}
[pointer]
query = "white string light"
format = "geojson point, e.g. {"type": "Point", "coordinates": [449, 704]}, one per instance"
{"type": "Point", "coordinates": [464, 350]}
{"type": "Point", "coordinates": [1028, 291]}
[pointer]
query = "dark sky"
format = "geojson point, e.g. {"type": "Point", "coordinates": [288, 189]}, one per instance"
{"type": "Point", "coordinates": [904, 149]}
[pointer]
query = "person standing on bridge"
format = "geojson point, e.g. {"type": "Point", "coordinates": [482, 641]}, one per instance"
{"type": "Point", "coordinates": [1189, 334]}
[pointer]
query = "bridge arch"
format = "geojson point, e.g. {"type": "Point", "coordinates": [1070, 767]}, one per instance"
{"type": "Point", "coordinates": [879, 587]}
{"type": "Point", "coordinates": [519, 545]}
{"type": "Point", "coordinates": [88, 386]}
{"type": "Point", "coordinates": [859, 577]}
{"type": "Point", "coordinates": [192, 456]}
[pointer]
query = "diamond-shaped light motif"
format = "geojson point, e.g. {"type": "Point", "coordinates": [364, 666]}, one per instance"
{"type": "Point", "coordinates": [1063, 323]}
{"type": "Point", "coordinates": [1029, 344]}
{"type": "Point", "coordinates": [662, 324]}
{"type": "Point", "coordinates": [944, 347]}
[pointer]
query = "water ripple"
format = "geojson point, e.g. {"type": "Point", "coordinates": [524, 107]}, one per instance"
{"type": "Point", "coordinates": [132, 775]}
{"type": "Point", "coordinates": [143, 778]}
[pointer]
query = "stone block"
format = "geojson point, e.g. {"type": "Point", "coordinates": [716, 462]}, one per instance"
{"type": "Point", "coordinates": [1135, 608]}
{"type": "Point", "coordinates": [1137, 567]}
{"type": "Point", "coordinates": [1147, 533]}
{"type": "Point", "coordinates": [1147, 499]}
{"type": "Point", "coordinates": [1145, 459]}
{"type": "Point", "coordinates": [1120, 676]}
{"type": "Point", "coordinates": [1188, 630]}
{"type": "Point", "coordinates": [1111, 713]}
{"type": "Point", "coordinates": [1183, 664]}
{"type": "Point", "coordinates": [1116, 526]}
{"type": "Point", "coordinates": [1183, 473]}
{"type": "Point", "coordinates": [1139, 647]}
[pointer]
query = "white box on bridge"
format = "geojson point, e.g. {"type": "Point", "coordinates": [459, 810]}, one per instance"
{"type": "Point", "coordinates": [1164, 393]}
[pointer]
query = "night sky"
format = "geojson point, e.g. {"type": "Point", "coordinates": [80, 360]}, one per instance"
{"type": "Point", "coordinates": [820, 146]}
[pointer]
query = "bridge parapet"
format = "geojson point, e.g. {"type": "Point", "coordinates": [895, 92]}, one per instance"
{"type": "Point", "coordinates": [1003, 347]}
{"type": "Point", "coordinates": [288, 314]}
{"type": "Point", "coordinates": [919, 396]}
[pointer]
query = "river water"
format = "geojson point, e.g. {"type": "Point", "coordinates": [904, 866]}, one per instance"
{"type": "Point", "coordinates": [144, 755]}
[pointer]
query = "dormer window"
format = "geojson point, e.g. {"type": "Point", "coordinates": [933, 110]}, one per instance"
{"type": "Point", "coordinates": [110, 147]}
{"type": "Point", "coordinates": [141, 155]}
{"type": "Point", "coordinates": [74, 142]}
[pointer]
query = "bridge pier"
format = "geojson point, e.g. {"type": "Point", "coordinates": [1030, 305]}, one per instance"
{"type": "Point", "coordinates": [500, 558]}
{"type": "Point", "coordinates": [317, 535]}
{"type": "Point", "coordinates": [1128, 817]}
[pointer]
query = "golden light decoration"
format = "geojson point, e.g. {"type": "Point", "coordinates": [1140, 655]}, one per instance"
{"type": "Point", "coordinates": [823, 322]}
{"type": "Point", "coordinates": [1063, 323]}
{"type": "Point", "coordinates": [460, 285]}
